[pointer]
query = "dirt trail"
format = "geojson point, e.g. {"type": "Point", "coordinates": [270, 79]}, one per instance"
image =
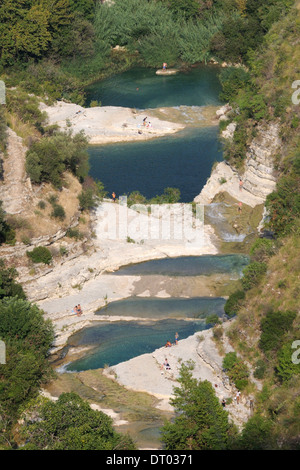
{"type": "Point", "coordinates": [15, 190]}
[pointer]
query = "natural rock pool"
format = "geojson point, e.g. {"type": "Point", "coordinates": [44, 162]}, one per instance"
{"type": "Point", "coordinates": [183, 160]}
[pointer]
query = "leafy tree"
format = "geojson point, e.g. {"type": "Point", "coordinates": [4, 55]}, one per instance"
{"type": "Point", "coordinates": [200, 423]}
{"type": "Point", "coordinates": [49, 158]}
{"type": "Point", "coordinates": [258, 434]}
{"type": "Point", "coordinates": [27, 337]}
{"type": "Point", "coordinates": [233, 79]}
{"type": "Point", "coordinates": [71, 424]}
{"type": "Point", "coordinates": [23, 29]}
{"type": "Point", "coordinates": [8, 286]}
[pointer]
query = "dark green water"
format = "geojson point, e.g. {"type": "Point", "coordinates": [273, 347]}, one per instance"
{"type": "Point", "coordinates": [188, 266]}
{"type": "Point", "coordinates": [183, 160]}
{"type": "Point", "coordinates": [141, 88]}
{"type": "Point", "coordinates": [120, 341]}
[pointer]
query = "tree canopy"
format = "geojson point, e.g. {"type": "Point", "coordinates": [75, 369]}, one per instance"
{"type": "Point", "coordinates": [200, 423]}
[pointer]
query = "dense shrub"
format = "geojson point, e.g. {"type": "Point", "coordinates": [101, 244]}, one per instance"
{"type": "Point", "coordinates": [236, 370]}
{"type": "Point", "coordinates": [87, 199]}
{"type": "Point", "coordinates": [233, 79]}
{"type": "Point", "coordinates": [58, 212]}
{"type": "Point", "coordinates": [49, 158]}
{"type": "Point", "coordinates": [260, 369]}
{"type": "Point", "coordinates": [7, 233]}
{"type": "Point", "coordinates": [258, 434]}
{"type": "Point", "coordinates": [26, 108]}
{"type": "Point", "coordinates": [74, 233]}
{"type": "Point", "coordinates": [262, 249]}
{"type": "Point", "coordinates": [40, 254]}
{"type": "Point", "coordinates": [8, 286]}
{"type": "Point", "coordinates": [234, 302]}
{"type": "Point", "coordinates": [252, 274]}
{"type": "Point", "coordinates": [274, 326]}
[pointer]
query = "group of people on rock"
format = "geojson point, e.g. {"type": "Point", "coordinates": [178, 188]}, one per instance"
{"type": "Point", "coordinates": [169, 344]}
{"type": "Point", "coordinates": [77, 310]}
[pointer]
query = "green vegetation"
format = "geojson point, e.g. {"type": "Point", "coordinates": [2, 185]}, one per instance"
{"type": "Point", "coordinates": [200, 423]}
{"type": "Point", "coordinates": [169, 196]}
{"type": "Point", "coordinates": [274, 326]}
{"type": "Point", "coordinates": [7, 233]}
{"type": "Point", "coordinates": [252, 274]}
{"type": "Point", "coordinates": [40, 254]}
{"type": "Point", "coordinates": [236, 370]}
{"type": "Point", "coordinates": [234, 302]}
{"type": "Point", "coordinates": [92, 193]}
{"type": "Point", "coordinates": [53, 49]}
{"type": "Point", "coordinates": [71, 424]}
{"type": "Point", "coordinates": [8, 286]}
{"type": "Point", "coordinates": [27, 337]}
{"type": "Point", "coordinates": [48, 158]}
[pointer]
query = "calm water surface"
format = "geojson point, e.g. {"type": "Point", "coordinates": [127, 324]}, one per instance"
{"type": "Point", "coordinates": [141, 88]}
{"type": "Point", "coordinates": [120, 341]}
{"type": "Point", "coordinates": [183, 160]}
{"type": "Point", "coordinates": [187, 266]}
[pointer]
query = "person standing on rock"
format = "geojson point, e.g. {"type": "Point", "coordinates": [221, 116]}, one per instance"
{"type": "Point", "coordinates": [176, 338]}
{"type": "Point", "coordinates": [114, 196]}
{"type": "Point", "coordinates": [241, 185]}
